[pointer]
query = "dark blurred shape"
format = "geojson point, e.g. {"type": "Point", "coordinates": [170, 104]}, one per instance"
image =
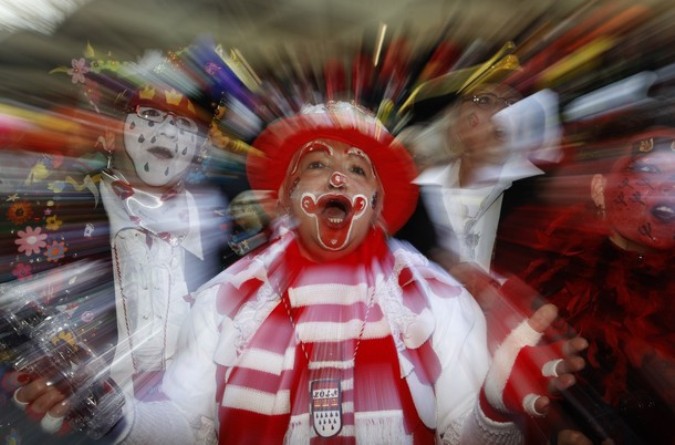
{"type": "Point", "coordinates": [41, 340]}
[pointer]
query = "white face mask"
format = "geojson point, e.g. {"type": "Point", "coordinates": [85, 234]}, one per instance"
{"type": "Point", "coordinates": [161, 145]}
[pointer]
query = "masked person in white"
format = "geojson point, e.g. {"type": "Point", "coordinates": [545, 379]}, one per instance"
{"type": "Point", "coordinates": [156, 231]}
{"type": "Point", "coordinates": [335, 332]}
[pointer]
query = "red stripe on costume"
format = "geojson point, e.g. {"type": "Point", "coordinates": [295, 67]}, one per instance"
{"type": "Point", "coordinates": [424, 359]}
{"type": "Point", "coordinates": [339, 440]}
{"type": "Point", "coordinates": [275, 334]}
{"type": "Point", "coordinates": [247, 428]}
{"type": "Point", "coordinates": [378, 386]}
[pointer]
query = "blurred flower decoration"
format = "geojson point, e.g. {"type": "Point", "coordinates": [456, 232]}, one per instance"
{"type": "Point", "coordinates": [53, 222]}
{"type": "Point", "coordinates": [55, 251]}
{"type": "Point", "coordinates": [19, 212]}
{"type": "Point", "coordinates": [89, 72]}
{"type": "Point", "coordinates": [22, 271]}
{"type": "Point", "coordinates": [78, 70]}
{"type": "Point", "coordinates": [31, 240]}
{"type": "Point", "coordinates": [52, 214]}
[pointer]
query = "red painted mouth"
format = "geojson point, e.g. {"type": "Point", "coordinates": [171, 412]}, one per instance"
{"type": "Point", "coordinates": [335, 215]}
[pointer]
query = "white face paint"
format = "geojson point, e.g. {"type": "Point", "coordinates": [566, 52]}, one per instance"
{"type": "Point", "coordinates": [331, 190]}
{"type": "Point", "coordinates": [161, 152]}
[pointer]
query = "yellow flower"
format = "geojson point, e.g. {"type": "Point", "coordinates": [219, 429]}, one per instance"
{"type": "Point", "coordinates": [53, 223]}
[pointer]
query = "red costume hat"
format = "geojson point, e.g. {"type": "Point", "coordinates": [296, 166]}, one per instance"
{"type": "Point", "coordinates": [343, 122]}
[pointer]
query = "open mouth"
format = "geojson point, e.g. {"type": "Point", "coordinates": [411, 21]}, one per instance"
{"type": "Point", "coordinates": [664, 212]}
{"type": "Point", "coordinates": [334, 217]}
{"type": "Point", "coordinates": [161, 153]}
{"type": "Point", "coordinates": [336, 210]}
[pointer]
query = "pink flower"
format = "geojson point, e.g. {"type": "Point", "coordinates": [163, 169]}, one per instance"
{"type": "Point", "coordinates": [78, 71]}
{"type": "Point", "coordinates": [22, 271]}
{"type": "Point", "coordinates": [31, 241]}
{"type": "Point", "coordinates": [56, 251]}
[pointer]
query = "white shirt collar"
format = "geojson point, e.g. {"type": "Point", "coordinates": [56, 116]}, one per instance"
{"type": "Point", "coordinates": [120, 219]}
{"type": "Point", "coordinates": [448, 175]}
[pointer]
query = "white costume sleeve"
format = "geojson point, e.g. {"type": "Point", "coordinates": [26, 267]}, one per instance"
{"type": "Point", "coordinates": [460, 341]}
{"type": "Point", "coordinates": [156, 423]}
{"type": "Point", "coordinates": [190, 383]}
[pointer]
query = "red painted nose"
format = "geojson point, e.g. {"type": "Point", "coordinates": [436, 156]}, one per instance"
{"type": "Point", "coordinates": [337, 180]}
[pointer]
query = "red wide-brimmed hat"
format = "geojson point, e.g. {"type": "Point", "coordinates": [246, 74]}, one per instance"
{"type": "Point", "coordinates": [346, 123]}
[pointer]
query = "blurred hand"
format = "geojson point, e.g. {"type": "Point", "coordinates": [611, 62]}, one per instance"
{"type": "Point", "coordinates": [570, 437]}
{"type": "Point", "coordinates": [524, 376]}
{"type": "Point", "coordinates": [44, 403]}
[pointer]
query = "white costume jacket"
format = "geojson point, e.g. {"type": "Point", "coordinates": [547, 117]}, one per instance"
{"type": "Point", "coordinates": [405, 344]}
{"type": "Point", "coordinates": [149, 238]}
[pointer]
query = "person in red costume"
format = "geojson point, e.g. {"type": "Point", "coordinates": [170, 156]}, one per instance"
{"type": "Point", "coordinates": [335, 332]}
{"type": "Point", "coordinates": [609, 271]}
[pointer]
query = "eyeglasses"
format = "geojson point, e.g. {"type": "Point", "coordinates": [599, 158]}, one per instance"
{"type": "Point", "coordinates": [159, 116]}
{"type": "Point", "coordinates": [489, 100]}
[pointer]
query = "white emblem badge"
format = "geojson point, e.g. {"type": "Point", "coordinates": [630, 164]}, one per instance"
{"type": "Point", "coordinates": [326, 407]}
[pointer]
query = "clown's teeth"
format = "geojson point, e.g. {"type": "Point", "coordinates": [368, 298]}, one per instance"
{"type": "Point", "coordinates": [335, 220]}
{"type": "Point", "coordinates": [664, 212]}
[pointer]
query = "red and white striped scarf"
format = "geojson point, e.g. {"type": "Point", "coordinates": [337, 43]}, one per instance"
{"type": "Point", "coordinates": [264, 390]}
